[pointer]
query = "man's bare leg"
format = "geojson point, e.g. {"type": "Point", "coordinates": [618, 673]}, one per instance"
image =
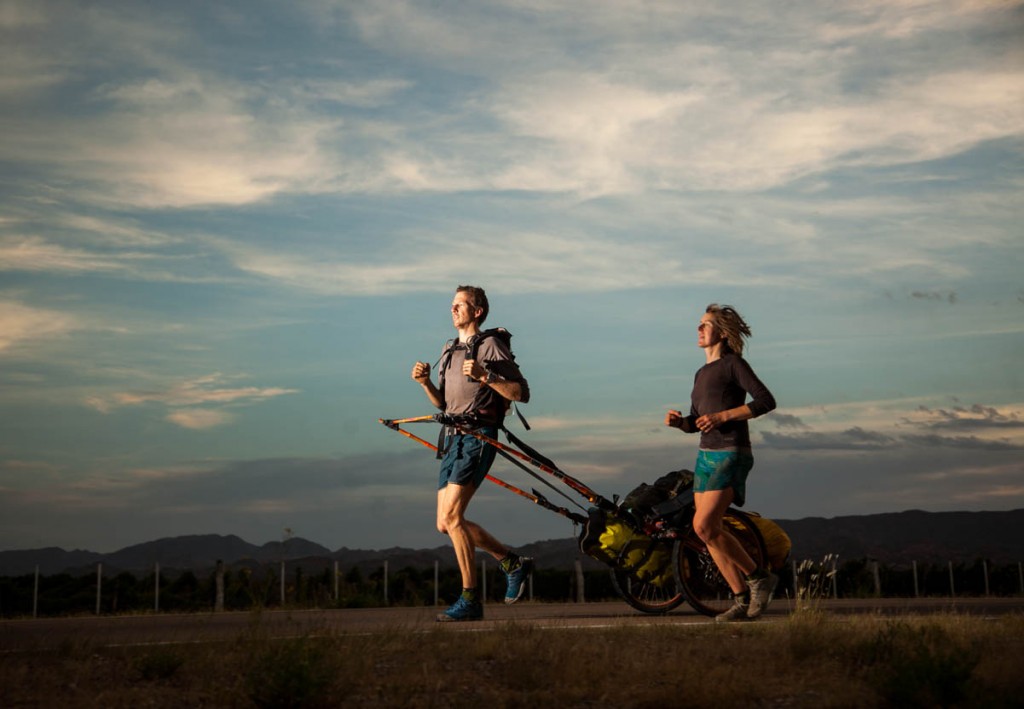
{"type": "Point", "coordinates": [466, 536]}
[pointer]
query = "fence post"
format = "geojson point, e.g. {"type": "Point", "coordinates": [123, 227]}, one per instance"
{"type": "Point", "coordinates": [952, 587]}
{"type": "Point", "coordinates": [580, 591]}
{"type": "Point", "coordinates": [835, 573]}
{"type": "Point", "coordinates": [35, 594]}
{"type": "Point", "coordinates": [99, 585]}
{"type": "Point", "coordinates": [796, 582]}
{"type": "Point", "coordinates": [984, 568]}
{"type": "Point", "coordinates": [156, 589]}
{"type": "Point", "coordinates": [878, 579]}
{"type": "Point", "coordinates": [916, 593]}
{"type": "Point", "coordinates": [282, 582]}
{"type": "Point", "coordinates": [218, 603]}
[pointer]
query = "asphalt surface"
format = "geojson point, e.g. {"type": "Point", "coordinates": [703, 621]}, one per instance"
{"type": "Point", "coordinates": [152, 629]}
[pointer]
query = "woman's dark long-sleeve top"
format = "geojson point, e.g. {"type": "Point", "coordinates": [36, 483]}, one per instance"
{"type": "Point", "coordinates": [721, 385]}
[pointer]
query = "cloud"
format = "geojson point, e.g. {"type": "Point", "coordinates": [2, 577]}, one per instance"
{"type": "Point", "coordinates": [960, 418]}
{"type": "Point", "coordinates": [21, 324]}
{"type": "Point", "coordinates": [1000, 429]}
{"type": "Point", "coordinates": [184, 398]}
{"type": "Point", "coordinates": [782, 420]}
{"type": "Point", "coordinates": [565, 102]}
{"type": "Point", "coordinates": [934, 295]}
{"type": "Point", "coordinates": [851, 439]}
{"type": "Point", "coordinates": [36, 254]}
{"type": "Point", "coordinates": [966, 442]}
{"type": "Point", "coordinates": [199, 419]}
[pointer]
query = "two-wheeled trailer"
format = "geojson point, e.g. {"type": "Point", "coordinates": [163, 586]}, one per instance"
{"type": "Point", "coordinates": [657, 560]}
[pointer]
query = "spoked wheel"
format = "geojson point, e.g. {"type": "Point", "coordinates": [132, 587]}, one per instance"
{"type": "Point", "coordinates": [696, 573]}
{"type": "Point", "coordinates": [647, 597]}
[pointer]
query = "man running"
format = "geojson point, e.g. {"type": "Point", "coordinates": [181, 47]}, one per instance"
{"type": "Point", "coordinates": [481, 387]}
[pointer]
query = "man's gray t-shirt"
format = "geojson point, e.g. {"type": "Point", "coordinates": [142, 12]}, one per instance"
{"type": "Point", "coordinates": [462, 396]}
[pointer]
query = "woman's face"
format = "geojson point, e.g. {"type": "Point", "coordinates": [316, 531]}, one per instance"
{"type": "Point", "coordinates": [707, 334]}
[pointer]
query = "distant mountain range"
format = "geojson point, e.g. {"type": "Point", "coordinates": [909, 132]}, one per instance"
{"type": "Point", "coordinates": [893, 538]}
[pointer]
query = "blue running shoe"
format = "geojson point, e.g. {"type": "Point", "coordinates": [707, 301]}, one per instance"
{"type": "Point", "coordinates": [517, 579]}
{"type": "Point", "coordinates": [462, 610]}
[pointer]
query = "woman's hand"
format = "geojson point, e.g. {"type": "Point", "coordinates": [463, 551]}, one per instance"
{"type": "Point", "coordinates": [709, 422]}
{"type": "Point", "coordinates": [674, 419]}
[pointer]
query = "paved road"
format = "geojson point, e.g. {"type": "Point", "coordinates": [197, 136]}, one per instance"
{"type": "Point", "coordinates": [107, 631]}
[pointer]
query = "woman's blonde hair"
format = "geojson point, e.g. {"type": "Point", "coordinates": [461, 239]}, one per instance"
{"type": "Point", "coordinates": [731, 324]}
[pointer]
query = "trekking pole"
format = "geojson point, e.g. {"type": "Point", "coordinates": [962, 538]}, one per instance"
{"type": "Point", "coordinates": [536, 497]}
{"type": "Point", "coordinates": [413, 419]}
{"type": "Point", "coordinates": [548, 467]}
{"type": "Point", "coordinates": [537, 457]}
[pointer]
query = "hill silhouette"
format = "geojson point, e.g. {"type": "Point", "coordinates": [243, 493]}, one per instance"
{"type": "Point", "coordinates": [894, 538]}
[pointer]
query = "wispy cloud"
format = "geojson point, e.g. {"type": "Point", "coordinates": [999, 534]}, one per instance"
{"type": "Point", "coordinates": [36, 254]}
{"type": "Point", "coordinates": [882, 425]}
{"type": "Point", "coordinates": [21, 324]}
{"type": "Point", "coordinates": [184, 397]}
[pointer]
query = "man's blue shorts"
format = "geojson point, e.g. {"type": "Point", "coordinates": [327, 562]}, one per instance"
{"type": "Point", "coordinates": [467, 459]}
{"type": "Point", "coordinates": [721, 470]}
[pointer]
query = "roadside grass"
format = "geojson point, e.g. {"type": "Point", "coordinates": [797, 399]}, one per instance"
{"type": "Point", "coordinates": [811, 659]}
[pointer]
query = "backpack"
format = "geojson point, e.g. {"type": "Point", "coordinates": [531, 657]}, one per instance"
{"type": "Point", "coordinates": [612, 539]}
{"type": "Point", "coordinates": [666, 496]}
{"type": "Point", "coordinates": [473, 346]}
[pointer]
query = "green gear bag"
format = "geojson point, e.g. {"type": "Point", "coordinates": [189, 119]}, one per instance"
{"type": "Point", "coordinates": [614, 541]}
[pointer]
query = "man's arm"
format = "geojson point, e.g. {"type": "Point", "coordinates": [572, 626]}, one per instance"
{"type": "Point", "coordinates": [507, 388]}
{"type": "Point", "coordinates": [421, 375]}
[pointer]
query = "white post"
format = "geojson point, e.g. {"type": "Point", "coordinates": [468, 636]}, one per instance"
{"type": "Point", "coordinates": [580, 591]}
{"type": "Point", "coordinates": [916, 594]}
{"type": "Point", "coordinates": [436, 582]}
{"type": "Point", "coordinates": [99, 586]}
{"type": "Point", "coordinates": [335, 581]}
{"type": "Point", "coordinates": [156, 589]}
{"type": "Point", "coordinates": [796, 582]}
{"type": "Point", "coordinates": [878, 579]}
{"type": "Point", "coordinates": [952, 587]}
{"type": "Point", "coordinates": [35, 595]}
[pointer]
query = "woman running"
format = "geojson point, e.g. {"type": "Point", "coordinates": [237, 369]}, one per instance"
{"type": "Point", "coordinates": [719, 411]}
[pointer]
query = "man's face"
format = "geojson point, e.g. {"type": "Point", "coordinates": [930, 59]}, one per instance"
{"type": "Point", "coordinates": [463, 311]}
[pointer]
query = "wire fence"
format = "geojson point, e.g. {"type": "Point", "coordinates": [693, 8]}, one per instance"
{"type": "Point", "coordinates": [302, 584]}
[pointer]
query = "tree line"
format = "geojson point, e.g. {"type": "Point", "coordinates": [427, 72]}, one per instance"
{"type": "Point", "coordinates": [246, 588]}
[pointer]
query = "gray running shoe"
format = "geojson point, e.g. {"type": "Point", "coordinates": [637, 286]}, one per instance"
{"type": "Point", "coordinates": [738, 612]}
{"type": "Point", "coordinates": [761, 591]}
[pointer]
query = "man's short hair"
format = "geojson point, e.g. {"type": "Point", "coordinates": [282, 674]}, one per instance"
{"type": "Point", "coordinates": [478, 298]}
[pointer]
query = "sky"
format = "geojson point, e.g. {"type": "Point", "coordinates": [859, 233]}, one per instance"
{"type": "Point", "coordinates": [228, 230]}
